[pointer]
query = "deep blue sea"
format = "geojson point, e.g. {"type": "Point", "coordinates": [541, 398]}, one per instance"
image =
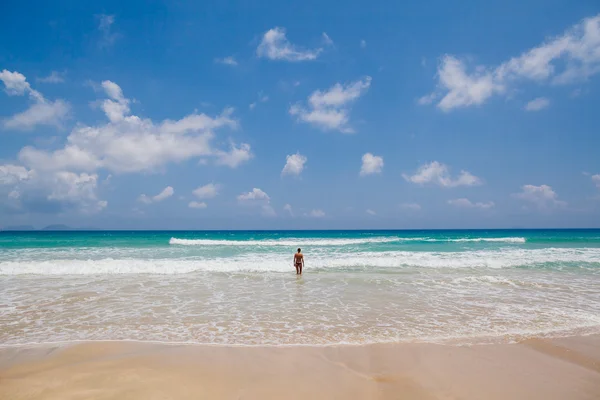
{"type": "Point", "coordinates": [465, 286]}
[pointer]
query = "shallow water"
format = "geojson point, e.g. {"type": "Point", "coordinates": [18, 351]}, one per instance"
{"type": "Point", "coordinates": [241, 288]}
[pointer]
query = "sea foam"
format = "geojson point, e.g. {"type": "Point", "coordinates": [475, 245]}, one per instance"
{"type": "Point", "coordinates": [323, 261]}
{"type": "Point", "coordinates": [291, 242]}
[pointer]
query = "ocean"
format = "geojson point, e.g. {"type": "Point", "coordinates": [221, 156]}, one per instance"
{"type": "Point", "coordinates": [240, 288]}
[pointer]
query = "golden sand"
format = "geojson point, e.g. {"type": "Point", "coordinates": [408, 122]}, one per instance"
{"type": "Point", "coordinates": [534, 369]}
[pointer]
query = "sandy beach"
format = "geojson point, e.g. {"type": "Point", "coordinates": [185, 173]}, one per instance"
{"type": "Point", "coordinates": [567, 368]}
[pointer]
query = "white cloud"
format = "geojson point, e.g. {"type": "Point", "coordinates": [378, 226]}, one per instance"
{"type": "Point", "coordinates": [371, 164]}
{"type": "Point", "coordinates": [252, 105]}
{"type": "Point", "coordinates": [411, 206]}
{"type": "Point", "coordinates": [427, 99]}
{"type": "Point", "coordinates": [127, 143]}
{"type": "Point", "coordinates": [235, 156]}
{"type": "Point", "coordinates": [196, 204]}
{"type": "Point", "coordinates": [438, 173]}
{"type": "Point", "coordinates": [371, 212]}
{"type": "Point", "coordinates": [117, 108]}
{"type": "Point", "coordinates": [542, 196]}
{"type": "Point", "coordinates": [537, 104]}
{"type": "Point", "coordinates": [41, 112]}
{"type": "Point", "coordinates": [363, 44]}
{"type": "Point", "coordinates": [329, 110]}
{"type": "Point", "coordinates": [75, 188]}
{"type": "Point", "coordinates": [316, 214]}
{"type": "Point", "coordinates": [49, 191]}
{"type": "Point", "coordinates": [327, 40]}
{"type": "Point", "coordinates": [255, 195]}
{"type": "Point", "coordinates": [466, 203]}
{"type": "Point", "coordinates": [145, 199]}
{"type": "Point", "coordinates": [294, 164]}
{"type": "Point", "coordinates": [108, 37]}
{"type": "Point", "coordinates": [11, 174]}
{"type": "Point", "coordinates": [164, 194]}
{"type": "Point", "coordinates": [596, 180]}
{"type": "Point", "coordinates": [275, 46]}
{"type": "Point", "coordinates": [207, 191]}
{"type": "Point", "coordinates": [54, 77]}
{"type": "Point", "coordinates": [229, 60]}
{"type": "Point", "coordinates": [289, 209]}
{"type": "Point", "coordinates": [571, 57]}
{"type": "Point", "coordinates": [44, 113]}
{"type": "Point", "coordinates": [15, 84]}
{"type": "Point", "coordinates": [258, 198]}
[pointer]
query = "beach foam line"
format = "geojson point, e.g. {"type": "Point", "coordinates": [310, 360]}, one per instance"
{"type": "Point", "coordinates": [282, 242]}
{"type": "Point", "coordinates": [261, 262]}
{"type": "Point", "coordinates": [291, 242]}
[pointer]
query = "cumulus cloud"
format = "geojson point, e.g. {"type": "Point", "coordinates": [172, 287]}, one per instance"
{"type": "Point", "coordinates": [229, 60]}
{"type": "Point", "coordinates": [542, 196]}
{"type": "Point", "coordinates": [371, 164]}
{"type": "Point", "coordinates": [466, 203]}
{"type": "Point", "coordinates": [164, 194]}
{"type": "Point", "coordinates": [316, 214]}
{"type": "Point", "coordinates": [330, 109]}
{"type": "Point", "coordinates": [257, 198]}
{"type": "Point", "coordinates": [11, 174]}
{"type": "Point", "coordinates": [235, 156]}
{"type": "Point", "coordinates": [294, 164]}
{"type": "Point", "coordinates": [40, 112]}
{"type": "Point", "coordinates": [48, 191]}
{"type": "Point", "coordinates": [207, 191]}
{"type": "Point", "coordinates": [596, 180]}
{"type": "Point", "coordinates": [537, 104]}
{"type": "Point", "coordinates": [439, 174]}
{"type": "Point", "coordinates": [127, 143]}
{"type": "Point", "coordinates": [196, 204]}
{"type": "Point", "coordinates": [253, 195]}
{"type": "Point", "coordinates": [275, 46]}
{"type": "Point", "coordinates": [72, 188]}
{"type": "Point", "coordinates": [410, 206]}
{"type": "Point", "coordinates": [571, 57]}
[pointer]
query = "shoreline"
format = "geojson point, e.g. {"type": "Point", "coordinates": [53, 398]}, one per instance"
{"type": "Point", "coordinates": [537, 368]}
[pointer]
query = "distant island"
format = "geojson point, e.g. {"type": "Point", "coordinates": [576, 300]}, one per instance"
{"type": "Point", "coordinates": [52, 227]}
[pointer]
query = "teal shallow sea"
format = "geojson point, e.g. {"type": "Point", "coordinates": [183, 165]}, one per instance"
{"type": "Point", "coordinates": [240, 287]}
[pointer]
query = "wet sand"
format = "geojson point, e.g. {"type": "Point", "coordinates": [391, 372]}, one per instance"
{"type": "Point", "coordinates": [566, 368]}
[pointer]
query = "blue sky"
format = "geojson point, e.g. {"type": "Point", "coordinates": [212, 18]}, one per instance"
{"type": "Point", "coordinates": [226, 115]}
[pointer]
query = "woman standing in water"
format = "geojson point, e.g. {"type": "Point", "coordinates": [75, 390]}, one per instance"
{"type": "Point", "coordinates": [299, 262]}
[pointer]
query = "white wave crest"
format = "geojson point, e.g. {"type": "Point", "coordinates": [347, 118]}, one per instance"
{"type": "Point", "coordinates": [261, 262]}
{"type": "Point", "coordinates": [282, 242]}
{"type": "Point", "coordinates": [291, 242]}
{"type": "Point", "coordinates": [501, 240]}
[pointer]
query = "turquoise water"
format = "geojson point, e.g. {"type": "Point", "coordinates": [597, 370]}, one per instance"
{"type": "Point", "coordinates": [241, 288]}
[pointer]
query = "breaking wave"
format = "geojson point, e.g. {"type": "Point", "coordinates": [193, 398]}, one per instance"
{"type": "Point", "coordinates": [329, 261]}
